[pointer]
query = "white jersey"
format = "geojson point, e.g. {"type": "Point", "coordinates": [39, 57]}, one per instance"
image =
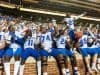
{"type": "Point", "coordinates": [70, 22]}
{"type": "Point", "coordinates": [46, 40]}
{"type": "Point", "coordinates": [61, 41]}
{"type": "Point", "coordinates": [29, 43]}
{"type": "Point", "coordinates": [83, 41]}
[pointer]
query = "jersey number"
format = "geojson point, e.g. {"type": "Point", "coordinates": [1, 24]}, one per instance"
{"type": "Point", "coordinates": [43, 38]}
{"type": "Point", "coordinates": [30, 42]}
{"type": "Point", "coordinates": [62, 41]}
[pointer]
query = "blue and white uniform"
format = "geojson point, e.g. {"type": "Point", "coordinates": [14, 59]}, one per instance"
{"type": "Point", "coordinates": [61, 43]}
{"type": "Point", "coordinates": [29, 49]}
{"type": "Point", "coordinates": [16, 43]}
{"type": "Point", "coordinates": [70, 23]}
{"type": "Point", "coordinates": [46, 42]}
{"type": "Point", "coordinates": [84, 49]}
{"type": "Point", "coordinates": [1, 38]}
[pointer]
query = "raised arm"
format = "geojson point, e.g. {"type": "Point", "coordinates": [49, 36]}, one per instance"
{"type": "Point", "coordinates": [78, 17]}
{"type": "Point", "coordinates": [90, 32]}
